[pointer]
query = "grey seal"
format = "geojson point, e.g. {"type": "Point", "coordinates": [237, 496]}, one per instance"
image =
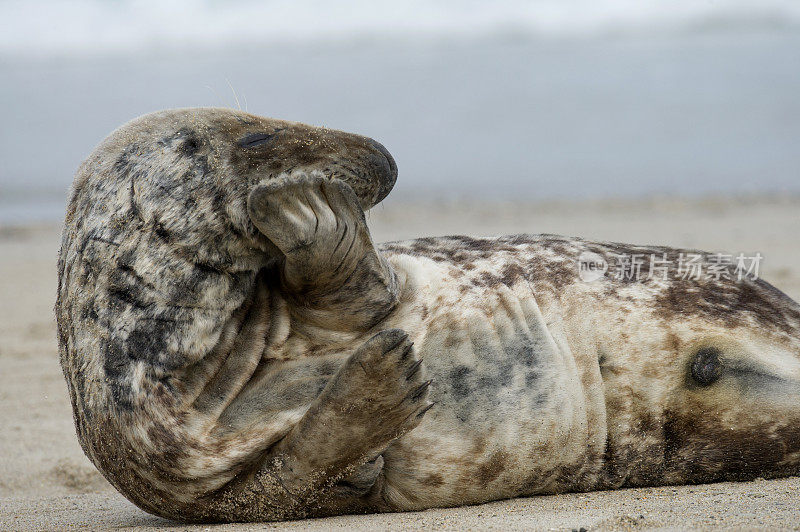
{"type": "Point", "coordinates": [237, 348]}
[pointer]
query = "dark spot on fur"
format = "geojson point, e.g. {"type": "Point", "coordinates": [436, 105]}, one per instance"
{"type": "Point", "coordinates": [531, 377]}
{"type": "Point", "coordinates": [190, 204]}
{"type": "Point", "coordinates": [491, 469]}
{"type": "Point", "coordinates": [433, 480]}
{"type": "Point", "coordinates": [208, 269]}
{"type": "Point", "coordinates": [171, 448]}
{"type": "Point", "coordinates": [486, 279]}
{"type": "Point", "coordinates": [161, 232]}
{"type": "Point", "coordinates": [555, 273]}
{"type": "Point", "coordinates": [124, 162]}
{"type": "Point", "coordinates": [190, 146]}
{"type": "Point", "coordinates": [115, 364]}
{"type": "Point", "coordinates": [489, 385]}
{"type": "Point", "coordinates": [476, 244]}
{"type": "Point", "coordinates": [127, 295]}
{"type": "Point", "coordinates": [459, 381]}
{"type": "Point", "coordinates": [88, 312]}
{"type": "Point", "coordinates": [133, 210]}
{"type": "Point", "coordinates": [510, 273]}
{"type": "Point", "coordinates": [149, 342]}
{"type": "Point", "coordinates": [505, 373]}
{"type": "Point", "coordinates": [523, 350]}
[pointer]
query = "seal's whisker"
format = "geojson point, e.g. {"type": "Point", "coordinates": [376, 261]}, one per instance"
{"type": "Point", "coordinates": [235, 96]}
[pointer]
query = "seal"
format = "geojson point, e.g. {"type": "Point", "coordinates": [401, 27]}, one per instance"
{"type": "Point", "coordinates": [237, 348]}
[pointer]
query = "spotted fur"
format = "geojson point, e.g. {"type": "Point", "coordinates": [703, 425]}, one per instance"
{"type": "Point", "coordinates": [237, 348]}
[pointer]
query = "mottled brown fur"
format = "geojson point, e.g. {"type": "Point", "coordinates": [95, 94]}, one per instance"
{"type": "Point", "coordinates": [237, 348]}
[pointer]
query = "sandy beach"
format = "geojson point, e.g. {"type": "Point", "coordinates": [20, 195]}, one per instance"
{"type": "Point", "coordinates": [47, 483]}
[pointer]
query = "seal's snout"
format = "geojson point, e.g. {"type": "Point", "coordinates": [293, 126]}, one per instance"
{"type": "Point", "coordinates": [391, 165]}
{"type": "Point", "coordinates": [386, 168]}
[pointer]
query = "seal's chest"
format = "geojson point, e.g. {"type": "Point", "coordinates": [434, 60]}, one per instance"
{"type": "Point", "coordinates": [505, 406]}
{"type": "Point", "coordinates": [493, 365]}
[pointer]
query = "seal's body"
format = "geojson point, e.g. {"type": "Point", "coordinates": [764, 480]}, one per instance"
{"type": "Point", "coordinates": [236, 348]}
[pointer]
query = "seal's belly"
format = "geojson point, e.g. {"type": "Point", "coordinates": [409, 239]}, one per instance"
{"type": "Point", "coordinates": [510, 415]}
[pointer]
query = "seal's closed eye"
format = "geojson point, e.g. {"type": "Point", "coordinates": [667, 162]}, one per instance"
{"type": "Point", "coordinates": [255, 139]}
{"type": "Point", "coordinates": [706, 366]}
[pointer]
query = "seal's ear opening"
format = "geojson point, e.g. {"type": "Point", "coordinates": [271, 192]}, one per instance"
{"type": "Point", "coordinates": [706, 367]}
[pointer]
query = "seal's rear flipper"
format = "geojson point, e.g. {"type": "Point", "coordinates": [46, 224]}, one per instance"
{"type": "Point", "coordinates": [331, 265]}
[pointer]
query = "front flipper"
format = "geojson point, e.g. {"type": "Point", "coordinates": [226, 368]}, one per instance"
{"type": "Point", "coordinates": [329, 462]}
{"type": "Point", "coordinates": [331, 265]}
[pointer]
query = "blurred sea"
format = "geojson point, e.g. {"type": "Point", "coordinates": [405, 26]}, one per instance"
{"type": "Point", "coordinates": [527, 100]}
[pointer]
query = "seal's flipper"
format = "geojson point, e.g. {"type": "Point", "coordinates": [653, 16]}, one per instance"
{"type": "Point", "coordinates": [330, 461]}
{"type": "Point", "coordinates": [331, 264]}
{"type": "Point", "coordinates": [378, 395]}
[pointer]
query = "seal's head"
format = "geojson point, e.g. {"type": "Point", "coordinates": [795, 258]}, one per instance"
{"type": "Point", "coordinates": [255, 149]}
{"type": "Point", "coordinates": [188, 172]}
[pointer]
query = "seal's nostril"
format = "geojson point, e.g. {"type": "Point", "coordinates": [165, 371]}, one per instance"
{"type": "Point", "coordinates": [392, 165]}
{"type": "Point", "coordinates": [389, 170]}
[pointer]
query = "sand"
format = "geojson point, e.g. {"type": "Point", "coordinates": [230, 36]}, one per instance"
{"type": "Point", "coordinates": [47, 483]}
